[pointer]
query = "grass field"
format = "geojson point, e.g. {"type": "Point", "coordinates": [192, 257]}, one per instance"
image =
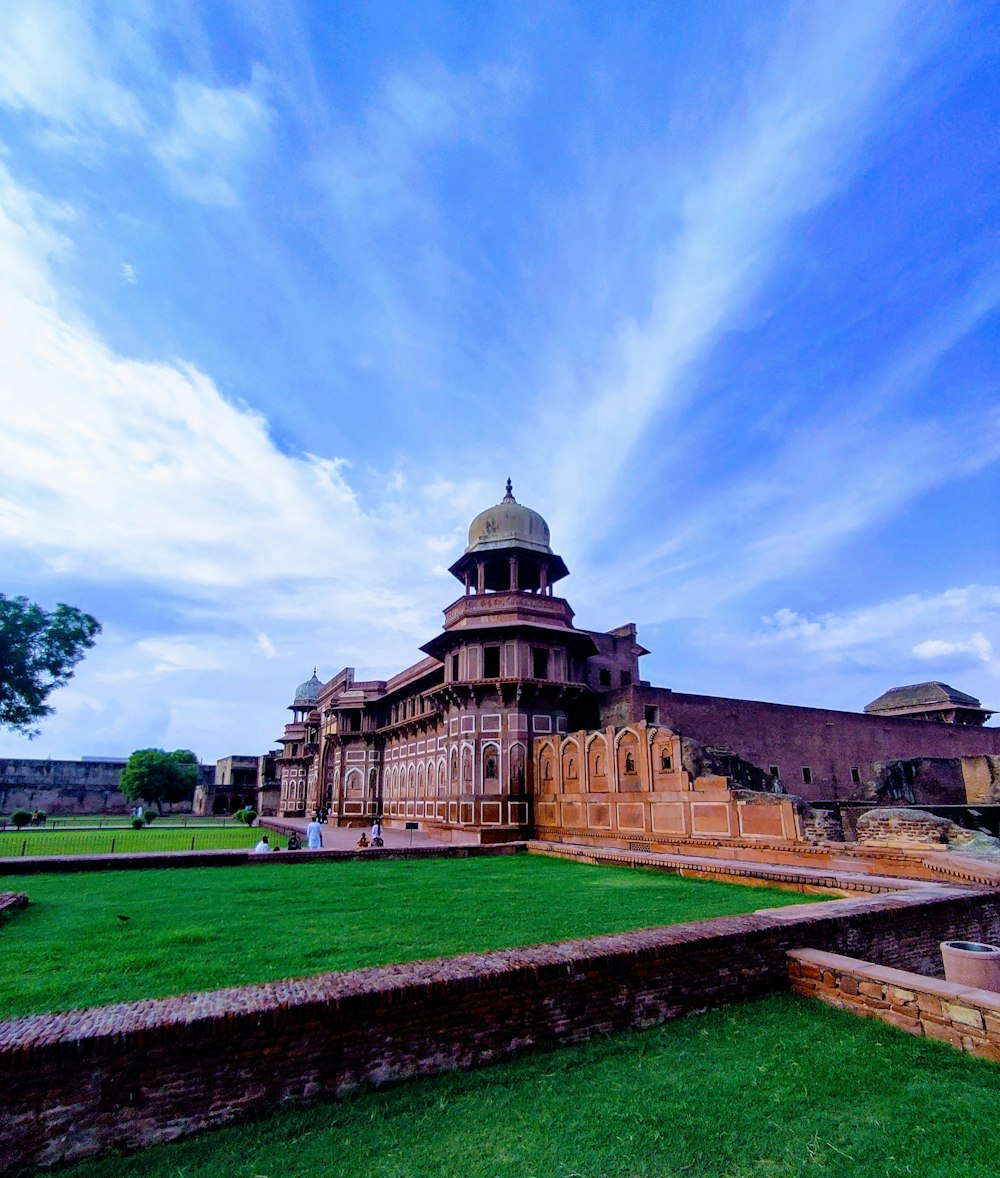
{"type": "Point", "coordinates": [108, 840]}
{"type": "Point", "coordinates": [202, 928]}
{"type": "Point", "coordinates": [775, 1089]}
{"type": "Point", "coordinates": [109, 821]}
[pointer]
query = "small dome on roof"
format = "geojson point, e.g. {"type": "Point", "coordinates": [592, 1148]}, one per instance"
{"type": "Point", "coordinates": [509, 523]}
{"type": "Point", "coordinates": [308, 692]}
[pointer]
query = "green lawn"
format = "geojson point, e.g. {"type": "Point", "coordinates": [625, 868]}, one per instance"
{"type": "Point", "coordinates": [202, 928]}
{"type": "Point", "coordinates": [773, 1089]}
{"type": "Point", "coordinates": [106, 821]}
{"type": "Point", "coordinates": [70, 840]}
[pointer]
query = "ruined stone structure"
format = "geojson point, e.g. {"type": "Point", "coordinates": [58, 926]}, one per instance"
{"type": "Point", "coordinates": [239, 781]}
{"type": "Point", "coordinates": [517, 722]}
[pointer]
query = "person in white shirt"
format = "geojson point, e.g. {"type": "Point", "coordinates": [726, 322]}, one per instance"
{"type": "Point", "coordinates": [263, 846]}
{"type": "Point", "coordinates": [314, 835]}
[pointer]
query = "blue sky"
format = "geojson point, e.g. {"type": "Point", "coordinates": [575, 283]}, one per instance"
{"type": "Point", "coordinates": [287, 290]}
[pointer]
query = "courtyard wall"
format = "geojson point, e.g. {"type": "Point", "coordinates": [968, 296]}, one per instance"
{"type": "Point", "coordinates": [127, 1076]}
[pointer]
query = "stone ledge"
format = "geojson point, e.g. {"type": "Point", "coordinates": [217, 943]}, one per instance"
{"type": "Point", "coordinates": [964, 1016]}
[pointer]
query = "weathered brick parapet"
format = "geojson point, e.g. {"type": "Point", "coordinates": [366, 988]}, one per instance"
{"type": "Point", "coordinates": [126, 1076]}
{"type": "Point", "coordinates": [963, 1016]}
{"type": "Point", "coordinates": [49, 864]}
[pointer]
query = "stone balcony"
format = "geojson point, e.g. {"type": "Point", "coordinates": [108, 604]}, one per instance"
{"type": "Point", "coordinates": [526, 608]}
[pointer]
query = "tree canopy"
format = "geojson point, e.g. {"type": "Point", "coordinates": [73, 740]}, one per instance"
{"type": "Point", "coordinates": [38, 651]}
{"type": "Point", "coordinates": [154, 775]}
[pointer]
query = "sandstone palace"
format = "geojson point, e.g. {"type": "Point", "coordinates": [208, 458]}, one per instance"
{"type": "Point", "coordinates": [516, 724]}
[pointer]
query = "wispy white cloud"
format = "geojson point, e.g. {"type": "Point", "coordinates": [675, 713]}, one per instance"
{"type": "Point", "coordinates": [950, 626]}
{"type": "Point", "coordinates": [376, 171]}
{"type": "Point", "coordinates": [64, 63]}
{"type": "Point", "coordinates": [213, 133]}
{"type": "Point", "coordinates": [792, 142]}
{"type": "Point", "coordinates": [977, 645]}
{"type": "Point", "coordinates": [53, 65]}
{"type": "Point", "coordinates": [151, 471]}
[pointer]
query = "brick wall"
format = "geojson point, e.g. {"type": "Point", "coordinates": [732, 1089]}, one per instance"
{"type": "Point", "coordinates": [902, 827]}
{"type": "Point", "coordinates": [963, 1016]}
{"type": "Point", "coordinates": [126, 1076]}
{"type": "Point", "coordinates": [828, 742]}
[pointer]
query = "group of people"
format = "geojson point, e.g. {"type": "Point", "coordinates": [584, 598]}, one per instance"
{"type": "Point", "coordinates": [314, 837]}
{"type": "Point", "coordinates": [376, 839]}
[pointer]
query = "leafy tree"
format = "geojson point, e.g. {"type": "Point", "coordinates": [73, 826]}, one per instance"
{"type": "Point", "coordinates": [157, 776]}
{"type": "Point", "coordinates": [38, 651]}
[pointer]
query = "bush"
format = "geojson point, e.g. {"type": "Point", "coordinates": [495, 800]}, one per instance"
{"type": "Point", "coordinates": [21, 818]}
{"type": "Point", "coordinates": [148, 816]}
{"type": "Point", "coordinates": [137, 824]}
{"type": "Point", "coordinates": [248, 815]}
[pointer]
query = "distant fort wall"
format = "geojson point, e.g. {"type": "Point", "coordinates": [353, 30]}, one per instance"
{"type": "Point", "coordinates": [829, 756]}
{"type": "Point", "coordinates": [69, 787]}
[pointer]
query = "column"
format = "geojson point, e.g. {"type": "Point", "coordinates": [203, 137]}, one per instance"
{"type": "Point", "coordinates": [513, 574]}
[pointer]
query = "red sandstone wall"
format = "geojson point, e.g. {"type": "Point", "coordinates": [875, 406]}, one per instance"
{"type": "Point", "coordinates": [829, 742]}
{"type": "Point", "coordinates": [126, 1076]}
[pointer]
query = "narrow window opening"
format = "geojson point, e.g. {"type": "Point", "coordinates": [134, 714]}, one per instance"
{"type": "Point", "coordinates": [773, 770]}
{"type": "Point", "coordinates": [491, 662]}
{"type": "Point", "coordinates": [540, 663]}
{"type": "Point", "coordinates": [855, 774]}
{"type": "Point", "coordinates": [454, 665]}
{"type": "Point", "coordinates": [626, 678]}
{"type": "Point", "coordinates": [807, 775]}
{"type": "Point", "coordinates": [652, 715]}
{"type": "Point", "coordinates": [605, 678]}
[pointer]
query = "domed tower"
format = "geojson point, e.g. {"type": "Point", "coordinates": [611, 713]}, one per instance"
{"type": "Point", "coordinates": [306, 695]}
{"type": "Point", "coordinates": [509, 642]}
{"type": "Point", "coordinates": [296, 765]}
{"type": "Point", "coordinates": [509, 550]}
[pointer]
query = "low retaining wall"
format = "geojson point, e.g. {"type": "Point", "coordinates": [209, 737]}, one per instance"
{"type": "Point", "coordinates": [55, 864]}
{"type": "Point", "coordinates": [126, 1076]}
{"type": "Point", "coordinates": [963, 1016]}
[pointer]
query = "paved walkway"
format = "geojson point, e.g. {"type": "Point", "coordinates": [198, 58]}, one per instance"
{"type": "Point", "coordinates": [345, 838]}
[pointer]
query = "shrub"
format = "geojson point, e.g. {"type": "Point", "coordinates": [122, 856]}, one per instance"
{"type": "Point", "coordinates": [249, 815]}
{"type": "Point", "coordinates": [21, 818]}
{"type": "Point", "coordinates": [148, 816]}
{"type": "Point", "coordinates": [137, 824]}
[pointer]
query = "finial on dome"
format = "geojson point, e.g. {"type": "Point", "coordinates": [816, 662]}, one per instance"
{"type": "Point", "coordinates": [509, 497]}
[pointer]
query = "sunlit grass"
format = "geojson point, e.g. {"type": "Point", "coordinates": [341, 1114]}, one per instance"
{"type": "Point", "coordinates": [775, 1089]}
{"type": "Point", "coordinates": [202, 928]}
{"type": "Point", "coordinates": [124, 840]}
